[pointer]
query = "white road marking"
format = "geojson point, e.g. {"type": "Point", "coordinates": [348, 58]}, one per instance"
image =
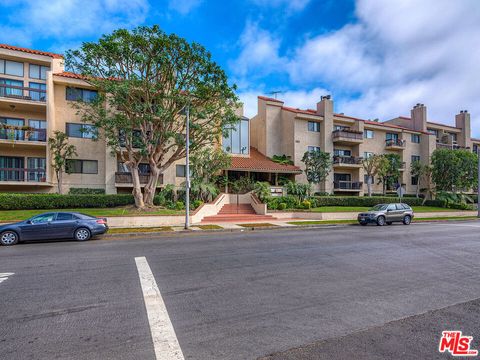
{"type": "Point", "coordinates": [165, 341]}
{"type": "Point", "coordinates": [4, 276]}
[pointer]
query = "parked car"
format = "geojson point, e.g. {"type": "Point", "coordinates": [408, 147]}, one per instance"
{"type": "Point", "coordinates": [53, 225]}
{"type": "Point", "coordinates": [387, 214]}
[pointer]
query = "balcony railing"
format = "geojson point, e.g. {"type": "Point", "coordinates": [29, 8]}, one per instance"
{"type": "Point", "coordinates": [347, 185]}
{"type": "Point", "coordinates": [350, 160]}
{"type": "Point", "coordinates": [348, 134]}
{"type": "Point", "coordinates": [23, 93]}
{"type": "Point", "coordinates": [23, 135]}
{"type": "Point", "coordinates": [126, 178]}
{"type": "Point", "coordinates": [395, 143]}
{"type": "Point", "coordinates": [451, 146]}
{"type": "Point", "coordinates": [22, 175]}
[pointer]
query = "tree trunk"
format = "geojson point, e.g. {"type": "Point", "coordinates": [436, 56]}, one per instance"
{"type": "Point", "coordinates": [137, 189]}
{"type": "Point", "coordinates": [151, 186]}
{"type": "Point", "coordinates": [369, 185]}
{"type": "Point", "coordinates": [418, 189]}
{"type": "Point", "coordinates": [384, 187]}
{"type": "Point", "coordinates": [59, 181]}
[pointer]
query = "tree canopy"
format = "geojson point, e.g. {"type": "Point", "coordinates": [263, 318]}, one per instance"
{"type": "Point", "coordinates": [145, 80]}
{"type": "Point", "coordinates": [454, 170]}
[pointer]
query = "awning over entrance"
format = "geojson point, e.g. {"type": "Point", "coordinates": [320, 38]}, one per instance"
{"type": "Point", "coordinates": [257, 162]}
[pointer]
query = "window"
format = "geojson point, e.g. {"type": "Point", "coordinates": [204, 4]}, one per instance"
{"type": "Point", "coordinates": [313, 126]}
{"type": "Point", "coordinates": [143, 169]}
{"type": "Point", "coordinates": [82, 166]}
{"type": "Point", "coordinates": [83, 131]}
{"type": "Point", "coordinates": [43, 218]}
{"type": "Point", "coordinates": [341, 152]}
{"type": "Point", "coordinates": [64, 217]}
{"type": "Point", "coordinates": [77, 94]}
{"type": "Point", "coordinates": [12, 168]}
{"type": "Point", "coordinates": [453, 136]}
{"type": "Point", "coordinates": [13, 88]}
{"type": "Point", "coordinates": [416, 138]}
{"type": "Point", "coordinates": [415, 158]}
{"type": "Point", "coordinates": [367, 154]}
{"type": "Point", "coordinates": [8, 67]}
{"type": "Point", "coordinates": [236, 139]}
{"type": "Point", "coordinates": [13, 133]}
{"type": "Point", "coordinates": [40, 94]}
{"type": "Point", "coordinates": [180, 169]}
{"type": "Point", "coordinates": [36, 169]}
{"type": "Point", "coordinates": [368, 134]}
{"type": "Point", "coordinates": [38, 71]}
{"type": "Point", "coordinates": [433, 132]}
{"type": "Point", "coordinates": [414, 180]}
{"type": "Point", "coordinates": [40, 133]}
{"type": "Point", "coordinates": [313, 148]}
{"type": "Point", "coordinates": [339, 127]}
{"type": "Point", "coordinates": [391, 207]}
{"type": "Point", "coordinates": [475, 148]}
{"type": "Point", "coordinates": [392, 136]}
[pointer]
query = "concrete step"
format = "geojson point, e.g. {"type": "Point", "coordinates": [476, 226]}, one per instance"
{"type": "Point", "coordinates": [237, 218]}
{"type": "Point", "coordinates": [237, 209]}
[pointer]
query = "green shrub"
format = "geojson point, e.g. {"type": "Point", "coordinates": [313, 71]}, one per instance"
{"type": "Point", "coordinates": [197, 203]}
{"type": "Point", "coordinates": [57, 201]}
{"type": "Point", "coordinates": [86, 191]}
{"type": "Point", "coordinates": [282, 206]}
{"type": "Point", "coordinates": [274, 201]}
{"type": "Point", "coordinates": [361, 201]}
{"type": "Point", "coordinates": [306, 204]}
{"type": "Point", "coordinates": [262, 190]}
{"type": "Point", "coordinates": [179, 205]}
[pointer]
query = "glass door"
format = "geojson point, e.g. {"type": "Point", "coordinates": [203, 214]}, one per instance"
{"type": "Point", "coordinates": [12, 168]}
{"type": "Point", "coordinates": [36, 169]}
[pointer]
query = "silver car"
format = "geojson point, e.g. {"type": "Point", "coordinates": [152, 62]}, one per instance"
{"type": "Point", "coordinates": [387, 214]}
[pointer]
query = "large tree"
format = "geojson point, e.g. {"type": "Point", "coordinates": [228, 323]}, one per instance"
{"type": "Point", "coordinates": [371, 166]}
{"type": "Point", "coordinates": [454, 170]}
{"type": "Point", "coordinates": [146, 80]}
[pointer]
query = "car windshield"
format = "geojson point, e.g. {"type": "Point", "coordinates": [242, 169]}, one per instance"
{"type": "Point", "coordinates": [379, 207]}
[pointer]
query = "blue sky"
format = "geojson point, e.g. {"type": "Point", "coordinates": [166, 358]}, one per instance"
{"type": "Point", "coordinates": [376, 57]}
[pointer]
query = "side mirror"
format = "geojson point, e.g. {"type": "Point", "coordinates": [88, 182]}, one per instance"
{"type": "Point", "coordinates": [29, 222]}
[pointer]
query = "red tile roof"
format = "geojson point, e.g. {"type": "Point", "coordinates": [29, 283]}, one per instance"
{"type": "Point", "coordinates": [299, 111]}
{"type": "Point", "coordinates": [70, 75]}
{"type": "Point", "coordinates": [270, 99]}
{"type": "Point", "coordinates": [256, 161]}
{"type": "Point", "coordinates": [31, 51]}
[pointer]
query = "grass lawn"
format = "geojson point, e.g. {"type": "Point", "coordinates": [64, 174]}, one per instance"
{"type": "Point", "coordinates": [418, 209]}
{"type": "Point", "coordinates": [254, 225]}
{"type": "Point", "coordinates": [139, 230]}
{"type": "Point", "coordinates": [209, 227]}
{"type": "Point", "coordinates": [14, 215]}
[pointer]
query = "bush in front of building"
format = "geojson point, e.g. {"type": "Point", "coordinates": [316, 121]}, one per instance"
{"type": "Point", "coordinates": [361, 201]}
{"type": "Point", "coordinates": [86, 191]}
{"type": "Point", "coordinates": [57, 201]}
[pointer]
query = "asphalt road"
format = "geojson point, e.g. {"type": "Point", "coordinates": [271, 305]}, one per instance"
{"type": "Point", "coordinates": [339, 292]}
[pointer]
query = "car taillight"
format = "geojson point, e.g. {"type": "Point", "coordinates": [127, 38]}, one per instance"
{"type": "Point", "coordinates": [102, 221]}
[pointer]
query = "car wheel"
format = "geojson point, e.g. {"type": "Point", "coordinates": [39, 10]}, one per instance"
{"type": "Point", "coordinates": [407, 219]}
{"type": "Point", "coordinates": [389, 222]}
{"type": "Point", "coordinates": [82, 234]}
{"type": "Point", "coordinates": [381, 220]}
{"type": "Point", "coordinates": [8, 238]}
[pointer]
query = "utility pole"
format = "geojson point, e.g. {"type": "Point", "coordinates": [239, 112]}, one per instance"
{"type": "Point", "coordinates": [187, 169]}
{"type": "Point", "coordinates": [478, 183]}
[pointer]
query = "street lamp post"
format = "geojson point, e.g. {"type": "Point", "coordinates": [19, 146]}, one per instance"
{"type": "Point", "coordinates": [187, 169]}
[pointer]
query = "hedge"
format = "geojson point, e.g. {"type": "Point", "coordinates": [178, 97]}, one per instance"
{"type": "Point", "coordinates": [86, 191]}
{"type": "Point", "coordinates": [56, 201]}
{"type": "Point", "coordinates": [319, 201]}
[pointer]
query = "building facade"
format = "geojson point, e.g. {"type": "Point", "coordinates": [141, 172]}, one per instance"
{"type": "Point", "coordinates": [281, 130]}
{"type": "Point", "coordinates": [36, 96]}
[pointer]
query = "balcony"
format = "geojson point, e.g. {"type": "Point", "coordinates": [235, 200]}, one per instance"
{"type": "Point", "coordinates": [347, 162]}
{"type": "Point", "coordinates": [353, 186]}
{"type": "Point", "coordinates": [347, 136]}
{"type": "Point", "coordinates": [125, 178]}
{"type": "Point", "coordinates": [402, 166]}
{"type": "Point", "coordinates": [395, 144]}
{"type": "Point", "coordinates": [20, 176]}
{"type": "Point", "coordinates": [27, 138]}
{"type": "Point", "coordinates": [22, 93]}
{"type": "Point", "coordinates": [451, 146]}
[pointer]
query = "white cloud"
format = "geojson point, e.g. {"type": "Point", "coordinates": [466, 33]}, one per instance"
{"type": "Point", "coordinates": [183, 6]}
{"type": "Point", "coordinates": [294, 5]}
{"type": "Point", "coordinates": [68, 19]}
{"type": "Point", "coordinates": [395, 54]}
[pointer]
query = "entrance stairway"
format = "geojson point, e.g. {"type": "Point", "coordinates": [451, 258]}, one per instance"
{"type": "Point", "coordinates": [237, 213]}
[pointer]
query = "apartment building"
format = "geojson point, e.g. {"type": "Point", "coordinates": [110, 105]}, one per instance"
{"type": "Point", "coordinates": [278, 129]}
{"type": "Point", "coordinates": [36, 96]}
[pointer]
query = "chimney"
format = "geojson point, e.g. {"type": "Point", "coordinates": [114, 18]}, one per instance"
{"type": "Point", "coordinates": [325, 105]}
{"type": "Point", "coordinates": [419, 117]}
{"type": "Point", "coordinates": [462, 121]}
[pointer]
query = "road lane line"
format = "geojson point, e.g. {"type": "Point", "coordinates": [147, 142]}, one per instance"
{"type": "Point", "coordinates": [4, 276]}
{"type": "Point", "coordinates": [164, 339]}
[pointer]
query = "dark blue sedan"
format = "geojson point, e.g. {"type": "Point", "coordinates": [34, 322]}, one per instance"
{"type": "Point", "coordinates": [53, 225]}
